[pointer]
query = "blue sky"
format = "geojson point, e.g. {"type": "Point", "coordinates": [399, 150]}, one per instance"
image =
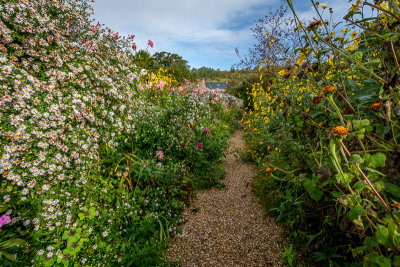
{"type": "Point", "coordinates": [203, 32]}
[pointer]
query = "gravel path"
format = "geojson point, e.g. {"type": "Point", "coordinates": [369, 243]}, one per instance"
{"type": "Point", "coordinates": [230, 228]}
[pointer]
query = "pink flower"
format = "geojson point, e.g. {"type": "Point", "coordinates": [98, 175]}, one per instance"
{"type": "Point", "coordinates": [150, 43]}
{"type": "Point", "coordinates": [160, 85]}
{"type": "Point", "coordinates": [212, 101]}
{"type": "Point", "coordinates": [159, 154]}
{"type": "Point", "coordinates": [199, 145]}
{"type": "Point", "coordinates": [132, 37]}
{"type": "Point", "coordinates": [4, 219]}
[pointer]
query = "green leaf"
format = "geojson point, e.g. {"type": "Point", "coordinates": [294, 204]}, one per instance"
{"type": "Point", "coordinates": [356, 211]}
{"type": "Point", "coordinates": [396, 261]}
{"type": "Point", "coordinates": [370, 243]}
{"type": "Point", "coordinates": [314, 191]}
{"type": "Point", "coordinates": [355, 158]}
{"type": "Point", "coordinates": [394, 234]}
{"type": "Point", "coordinates": [380, 159]}
{"type": "Point", "coordinates": [16, 242]}
{"type": "Point", "coordinates": [374, 259]}
{"type": "Point", "coordinates": [382, 235]}
{"type": "Point", "coordinates": [359, 186]}
{"type": "Point", "coordinates": [9, 256]}
{"type": "Point", "coordinates": [392, 189]}
{"type": "Point", "coordinates": [92, 213]}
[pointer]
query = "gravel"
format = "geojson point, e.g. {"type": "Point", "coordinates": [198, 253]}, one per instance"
{"type": "Point", "coordinates": [230, 227]}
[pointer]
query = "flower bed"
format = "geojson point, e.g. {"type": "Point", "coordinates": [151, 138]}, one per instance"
{"type": "Point", "coordinates": [82, 181]}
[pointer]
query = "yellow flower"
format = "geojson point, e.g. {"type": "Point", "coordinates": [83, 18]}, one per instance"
{"type": "Point", "coordinates": [301, 59]}
{"type": "Point", "coordinates": [324, 6]}
{"type": "Point", "coordinates": [281, 72]}
{"type": "Point", "coordinates": [345, 31]}
{"type": "Point", "coordinates": [353, 34]}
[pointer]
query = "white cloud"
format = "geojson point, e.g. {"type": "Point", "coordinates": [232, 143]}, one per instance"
{"type": "Point", "coordinates": [188, 28]}
{"type": "Point", "coordinates": [204, 32]}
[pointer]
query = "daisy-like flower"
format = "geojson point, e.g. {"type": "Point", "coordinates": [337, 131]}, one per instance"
{"type": "Point", "coordinates": [40, 252]}
{"type": "Point", "coordinates": [105, 234]}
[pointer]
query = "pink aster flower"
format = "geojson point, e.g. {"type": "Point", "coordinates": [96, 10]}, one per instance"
{"type": "Point", "coordinates": [150, 43]}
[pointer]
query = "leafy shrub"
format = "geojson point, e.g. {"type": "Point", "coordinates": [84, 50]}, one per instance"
{"type": "Point", "coordinates": [325, 136]}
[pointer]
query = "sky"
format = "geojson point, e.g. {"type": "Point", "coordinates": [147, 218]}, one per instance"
{"type": "Point", "coordinates": [203, 32]}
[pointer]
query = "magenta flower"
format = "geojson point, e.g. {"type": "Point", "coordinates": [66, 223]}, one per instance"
{"type": "Point", "coordinates": [4, 219]}
{"type": "Point", "coordinates": [199, 144]}
{"type": "Point", "coordinates": [150, 43]}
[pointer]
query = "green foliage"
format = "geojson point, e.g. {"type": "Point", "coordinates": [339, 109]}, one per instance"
{"type": "Point", "coordinates": [325, 135]}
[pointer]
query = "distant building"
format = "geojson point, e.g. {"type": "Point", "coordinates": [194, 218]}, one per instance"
{"type": "Point", "coordinates": [215, 85]}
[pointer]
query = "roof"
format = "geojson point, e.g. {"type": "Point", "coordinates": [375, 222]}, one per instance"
{"type": "Point", "coordinates": [215, 85]}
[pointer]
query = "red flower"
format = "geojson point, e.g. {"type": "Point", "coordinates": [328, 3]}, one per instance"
{"type": "Point", "coordinates": [150, 43]}
{"type": "Point", "coordinates": [317, 100]}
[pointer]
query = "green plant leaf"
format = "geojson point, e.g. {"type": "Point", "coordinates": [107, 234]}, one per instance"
{"type": "Point", "coordinates": [370, 243]}
{"type": "Point", "coordinates": [16, 242]}
{"type": "Point", "coordinates": [374, 259]}
{"type": "Point", "coordinates": [356, 211]}
{"type": "Point", "coordinates": [392, 189]}
{"type": "Point", "coordinates": [382, 236]}
{"type": "Point", "coordinates": [9, 256]}
{"type": "Point", "coordinates": [314, 191]}
{"type": "Point", "coordinates": [380, 159]}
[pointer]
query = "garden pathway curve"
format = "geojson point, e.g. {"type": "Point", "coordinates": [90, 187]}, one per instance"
{"type": "Point", "coordinates": [230, 228]}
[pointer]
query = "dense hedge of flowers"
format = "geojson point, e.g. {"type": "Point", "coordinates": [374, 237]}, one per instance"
{"type": "Point", "coordinates": [325, 133]}
{"type": "Point", "coordinates": [81, 181]}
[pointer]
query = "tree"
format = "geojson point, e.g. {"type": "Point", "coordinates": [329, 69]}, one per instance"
{"type": "Point", "coordinates": [276, 42]}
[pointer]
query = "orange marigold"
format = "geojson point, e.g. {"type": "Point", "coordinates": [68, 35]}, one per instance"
{"type": "Point", "coordinates": [339, 130]}
{"type": "Point", "coordinates": [329, 89]}
{"type": "Point", "coordinates": [375, 106]}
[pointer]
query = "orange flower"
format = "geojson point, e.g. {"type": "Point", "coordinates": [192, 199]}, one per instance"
{"type": "Point", "coordinates": [268, 170]}
{"type": "Point", "coordinates": [329, 89]}
{"type": "Point", "coordinates": [314, 24]}
{"type": "Point", "coordinates": [286, 74]}
{"type": "Point", "coordinates": [339, 130]}
{"type": "Point", "coordinates": [375, 106]}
